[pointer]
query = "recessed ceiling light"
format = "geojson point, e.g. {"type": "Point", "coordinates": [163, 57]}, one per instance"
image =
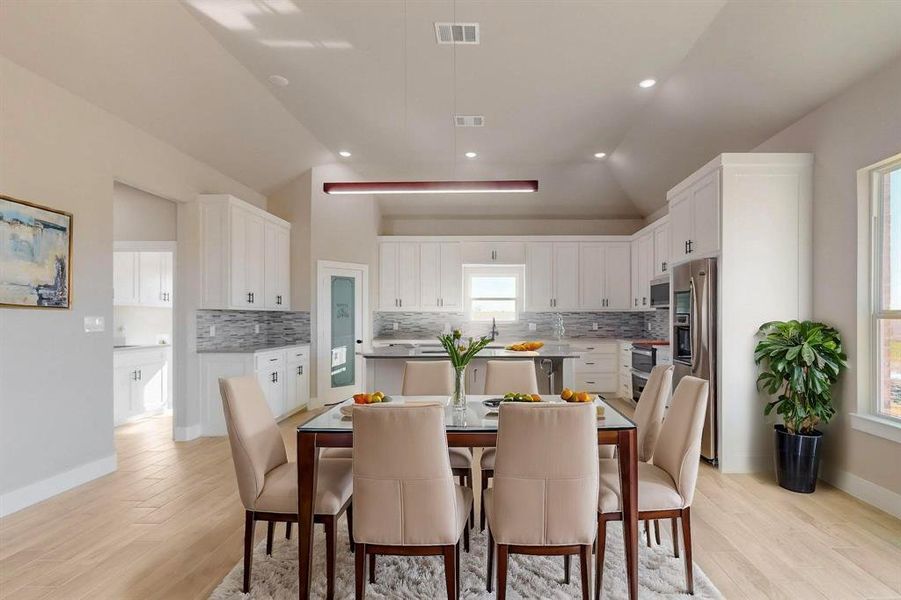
{"type": "Point", "coordinates": [470, 155]}
{"type": "Point", "coordinates": [344, 153]}
{"type": "Point", "coordinates": [600, 154]}
{"type": "Point", "coordinates": [278, 80]}
{"type": "Point", "coordinates": [646, 83]}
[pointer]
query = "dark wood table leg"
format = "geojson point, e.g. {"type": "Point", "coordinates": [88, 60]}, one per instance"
{"type": "Point", "coordinates": [628, 470]}
{"type": "Point", "coordinates": [307, 464]}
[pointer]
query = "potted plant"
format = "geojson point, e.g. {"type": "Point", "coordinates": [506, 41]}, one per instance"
{"type": "Point", "coordinates": [460, 353]}
{"type": "Point", "coordinates": [801, 360]}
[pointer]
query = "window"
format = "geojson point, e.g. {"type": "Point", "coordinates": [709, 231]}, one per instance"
{"type": "Point", "coordinates": [493, 293]}
{"type": "Point", "coordinates": [886, 291]}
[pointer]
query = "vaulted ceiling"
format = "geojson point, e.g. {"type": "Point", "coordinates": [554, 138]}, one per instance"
{"type": "Point", "coordinates": [556, 82]}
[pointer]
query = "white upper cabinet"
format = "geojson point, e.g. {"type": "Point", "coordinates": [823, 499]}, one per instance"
{"type": "Point", "coordinates": [125, 278]}
{"type": "Point", "coordinates": [695, 218]}
{"type": "Point", "coordinates": [278, 276]}
{"type": "Point", "coordinates": [552, 276]}
{"type": "Point", "coordinates": [440, 276]}
{"type": "Point", "coordinates": [142, 278]}
{"type": "Point", "coordinates": [661, 250]}
{"type": "Point", "coordinates": [605, 281]}
{"type": "Point", "coordinates": [635, 286]}
{"type": "Point", "coordinates": [493, 253]}
{"type": "Point", "coordinates": [399, 276]}
{"type": "Point", "coordinates": [645, 269]}
{"type": "Point", "coordinates": [245, 256]}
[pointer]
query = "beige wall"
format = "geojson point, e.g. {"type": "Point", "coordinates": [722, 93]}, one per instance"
{"type": "Point", "coordinates": [292, 202]}
{"type": "Point", "coordinates": [854, 130]}
{"type": "Point", "coordinates": [142, 217]}
{"type": "Point", "coordinates": [512, 226]}
{"type": "Point", "coordinates": [56, 405]}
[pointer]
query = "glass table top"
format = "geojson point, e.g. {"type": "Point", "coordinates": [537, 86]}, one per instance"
{"type": "Point", "coordinates": [476, 418]}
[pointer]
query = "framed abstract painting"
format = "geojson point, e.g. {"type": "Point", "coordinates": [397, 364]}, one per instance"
{"type": "Point", "coordinates": [35, 255]}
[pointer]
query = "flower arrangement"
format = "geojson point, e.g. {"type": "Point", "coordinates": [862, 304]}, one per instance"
{"type": "Point", "coordinates": [461, 353]}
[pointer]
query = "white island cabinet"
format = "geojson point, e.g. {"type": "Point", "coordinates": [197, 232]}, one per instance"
{"type": "Point", "coordinates": [283, 373]}
{"type": "Point", "coordinates": [141, 381]}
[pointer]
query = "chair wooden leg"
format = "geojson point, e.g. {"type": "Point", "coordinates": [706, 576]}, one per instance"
{"type": "Point", "coordinates": [331, 532]}
{"type": "Point", "coordinates": [501, 572]}
{"type": "Point", "coordinates": [350, 527]}
{"type": "Point", "coordinates": [675, 524]}
{"type": "Point", "coordinates": [458, 550]}
{"type": "Point", "coordinates": [566, 569]}
{"type": "Point", "coordinates": [270, 533]}
{"type": "Point", "coordinates": [450, 572]}
{"type": "Point", "coordinates": [647, 534]}
{"type": "Point", "coordinates": [657, 532]}
{"type": "Point", "coordinates": [482, 509]}
{"type": "Point", "coordinates": [288, 530]}
{"type": "Point", "coordinates": [686, 540]}
{"type": "Point", "coordinates": [360, 572]}
{"type": "Point", "coordinates": [585, 563]}
{"type": "Point", "coordinates": [372, 568]}
{"type": "Point", "coordinates": [466, 539]}
{"type": "Point", "coordinates": [599, 559]}
{"type": "Point", "coordinates": [489, 572]}
{"type": "Point", "coordinates": [249, 523]}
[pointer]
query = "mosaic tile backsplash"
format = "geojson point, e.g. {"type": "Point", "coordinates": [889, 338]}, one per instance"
{"type": "Point", "coordinates": [236, 328]}
{"type": "Point", "coordinates": [425, 325]}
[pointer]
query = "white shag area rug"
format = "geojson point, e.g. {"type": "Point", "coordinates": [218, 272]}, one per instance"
{"type": "Point", "coordinates": [660, 574]}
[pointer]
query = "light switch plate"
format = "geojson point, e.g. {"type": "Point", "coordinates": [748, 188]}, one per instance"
{"type": "Point", "coordinates": [594, 326]}
{"type": "Point", "coordinates": [394, 326]}
{"type": "Point", "coordinates": [533, 327]}
{"type": "Point", "coordinates": [94, 324]}
{"type": "Point", "coordinates": [212, 331]}
{"type": "Point", "coordinates": [256, 328]}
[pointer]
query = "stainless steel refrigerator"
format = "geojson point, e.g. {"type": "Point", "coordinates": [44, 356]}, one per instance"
{"type": "Point", "coordinates": [694, 337]}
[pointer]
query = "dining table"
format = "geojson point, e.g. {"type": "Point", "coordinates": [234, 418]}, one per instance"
{"type": "Point", "coordinates": [472, 427]}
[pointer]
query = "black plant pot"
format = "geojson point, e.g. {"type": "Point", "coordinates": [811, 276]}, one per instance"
{"type": "Point", "coordinates": [797, 459]}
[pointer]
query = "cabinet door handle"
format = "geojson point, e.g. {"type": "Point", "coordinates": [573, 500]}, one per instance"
{"type": "Point", "coordinates": [140, 374]}
{"type": "Point", "coordinates": [401, 300]}
{"type": "Point", "coordinates": [300, 369]}
{"type": "Point", "coordinates": [134, 375]}
{"type": "Point", "coordinates": [636, 301]}
{"type": "Point", "coordinates": [690, 244]}
{"type": "Point", "coordinates": [249, 297]}
{"type": "Point", "coordinates": [663, 266]}
{"type": "Point", "coordinates": [644, 301]}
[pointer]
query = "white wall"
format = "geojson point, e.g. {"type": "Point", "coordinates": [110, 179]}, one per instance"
{"type": "Point", "coordinates": [852, 131]}
{"type": "Point", "coordinates": [142, 217]}
{"type": "Point", "coordinates": [511, 226]}
{"type": "Point", "coordinates": [56, 406]}
{"type": "Point", "coordinates": [142, 324]}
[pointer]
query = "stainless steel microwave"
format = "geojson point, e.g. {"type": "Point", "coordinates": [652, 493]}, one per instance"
{"type": "Point", "coordinates": [660, 292]}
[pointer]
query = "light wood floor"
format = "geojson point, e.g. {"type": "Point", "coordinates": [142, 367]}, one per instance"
{"type": "Point", "coordinates": [168, 524]}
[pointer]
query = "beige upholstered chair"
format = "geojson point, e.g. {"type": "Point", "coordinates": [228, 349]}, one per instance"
{"type": "Point", "coordinates": [502, 376]}
{"type": "Point", "coordinates": [267, 482]}
{"type": "Point", "coordinates": [405, 499]}
{"type": "Point", "coordinates": [666, 486]}
{"type": "Point", "coordinates": [545, 481]}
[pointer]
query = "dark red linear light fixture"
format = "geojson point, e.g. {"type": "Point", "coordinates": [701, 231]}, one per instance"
{"type": "Point", "coordinates": [431, 187]}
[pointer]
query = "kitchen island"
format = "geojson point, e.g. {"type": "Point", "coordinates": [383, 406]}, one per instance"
{"type": "Point", "coordinates": [385, 365]}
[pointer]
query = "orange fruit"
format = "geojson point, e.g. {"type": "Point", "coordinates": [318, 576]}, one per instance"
{"type": "Point", "coordinates": [536, 398]}
{"type": "Point", "coordinates": [566, 394]}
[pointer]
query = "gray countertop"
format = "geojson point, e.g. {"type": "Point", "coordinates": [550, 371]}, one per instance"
{"type": "Point", "coordinates": [548, 351]}
{"type": "Point", "coordinates": [127, 347]}
{"type": "Point", "coordinates": [250, 349]}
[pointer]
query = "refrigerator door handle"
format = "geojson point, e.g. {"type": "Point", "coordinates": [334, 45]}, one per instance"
{"type": "Point", "coordinates": [695, 324]}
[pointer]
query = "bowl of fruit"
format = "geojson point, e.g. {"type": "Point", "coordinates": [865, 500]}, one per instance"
{"type": "Point", "coordinates": [525, 346]}
{"type": "Point", "coordinates": [576, 396]}
{"type": "Point", "coordinates": [511, 397]}
{"type": "Point", "coordinates": [364, 399]}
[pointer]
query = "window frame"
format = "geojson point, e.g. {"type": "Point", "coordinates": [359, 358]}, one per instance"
{"type": "Point", "coordinates": [868, 417]}
{"type": "Point", "coordinates": [469, 272]}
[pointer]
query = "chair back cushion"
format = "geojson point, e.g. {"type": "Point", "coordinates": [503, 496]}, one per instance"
{"type": "Point", "coordinates": [546, 474]}
{"type": "Point", "coordinates": [678, 450]}
{"type": "Point", "coordinates": [256, 443]}
{"type": "Point", "coordinates": [649, 411]}
{"type": "Point", "coordinates": [502, 376]}
{"type": "Point", "coordinates": [428, 378]}
{"type": "Point", "coordinates": [404, 493]}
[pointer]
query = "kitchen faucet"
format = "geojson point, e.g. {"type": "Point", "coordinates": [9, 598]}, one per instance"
{"type": "Point", "coordinates": [493, 329]}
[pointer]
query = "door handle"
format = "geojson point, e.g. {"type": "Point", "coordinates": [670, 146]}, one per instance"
{"type": "Point", "coordinates": [689, 247]}
{"type": "Point", "coordinates": [140, 374]}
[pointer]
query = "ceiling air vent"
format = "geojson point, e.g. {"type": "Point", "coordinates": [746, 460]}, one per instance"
{"type": "Point", "coordinates": [469, 120]}
{"type": "Point", "coordinates": [457, 33]}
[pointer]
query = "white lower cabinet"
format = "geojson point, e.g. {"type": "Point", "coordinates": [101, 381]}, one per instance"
{"type": "Point", "coordinates": [141, 382]}
{"type": "Point", "coordinates": [625, 370]}
{"type": "Point", "coordinates": [283, 374]}
{"type": "Point", "coordinates": [596, 369]}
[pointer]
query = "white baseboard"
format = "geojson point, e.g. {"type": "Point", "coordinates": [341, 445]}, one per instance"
{"type": "Point", "coordinates": [186, 434]}
{"type": "Point", "coordinates": [867, 491]}
{"type": "Point", "coordinates": [24, 497]}
{"type": "Point", "coordinates": [746, 463]}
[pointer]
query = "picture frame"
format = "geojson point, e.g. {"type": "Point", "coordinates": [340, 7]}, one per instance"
{"type": "Point", "coordinates": [35, 255]}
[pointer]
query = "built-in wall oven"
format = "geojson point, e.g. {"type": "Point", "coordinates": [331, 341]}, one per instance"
{"type": "Point", "coordinates": [644, 357]}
